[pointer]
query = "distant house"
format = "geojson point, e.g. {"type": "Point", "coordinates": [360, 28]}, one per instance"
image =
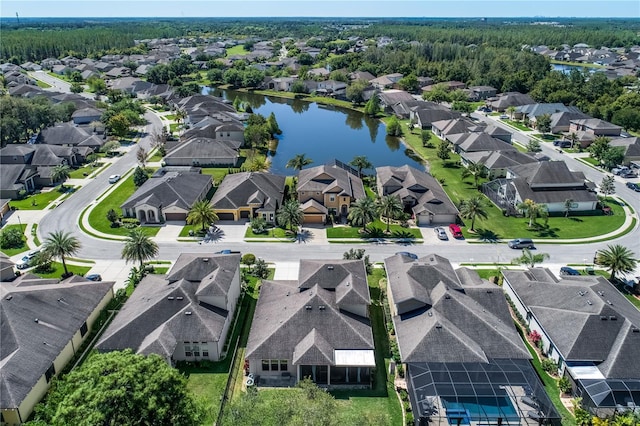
{"type": "Point", "coordinates": [533, 111]}
{"type": "Point", "coordinates": [424, 117]}
{"type": "Point", "coordinates": [389, 98]}
{"type": "Point", "coordinates": [443, 129]}
{"type": "Point", "coordinates": [480, 93]}
{"type": "Point", "coordinates": [459, 346]}
{"type": "Point", "coordinates": [282, 84]}
{"type": "Point", "coordinates": [169, 196]}
{"type": "Point", "coordinates": [68, 134]}
{"type": "Point", "coordinates": [595, 127]}
{"type": "Point", "coordinates": [316, 327]}
{"type": "Point", "coordinates": [200, 151]}
{"type": "Point", "coordinates": [328, 189]}
{"type": "Point", "coordinates": [249, 194]}
{"type": "Point", "coordinates": [419, 192]}
{"type": "Point", "coordinates": [509, 99]}
{"type": "Point", "coordinates": [86, 115]}
{"type": "Point", "coordinates": [382, 82]}
{"type": "Point", "coordinates": [496, 163]}
{"type": "Point", "coordinates": [561, 121]}
{"type": "Point", "coordinates": [44, 323]}
{"type": "Point", "coordinates": [630, 146]}
{"type": "Point", "coordinates": [182, 316]}
{"type": "Point", "coordinates": [589, 329]}
{"type": "Point", "coordinates": [477, 141]}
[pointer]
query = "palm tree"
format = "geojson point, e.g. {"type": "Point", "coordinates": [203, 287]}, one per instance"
{"type": "Point", "coordinates": [60, 173]}
{"type": "Point", "coordinates": [616, 259]}
{"type": "Point", "coordinates": [139, 247]}
{"type": "Point", "coordinates": [298, 162]}
{"type": "Point", "coordinates": [472, 208]}
{"type": "Point", "coordinates": [533, 210]}
{"type": "Point", "coordinates": [389, 206]}
{"type": "Point", "coordinates": [181, 114]}
{"type": "Point", "coordinates": [61, 244]}
{"type": "Point", "coordinates": [530, 259]}
{"type": "Point", "coordinates": [573, 137]}
{"type": "Point", "coordinates": [362, 212]}
{"type": "Point", "coordinates": [202, 213]}
{"type": "Point", "coordinates": [290, 214]}
{"type": "Point", "coordinates": [568, 205]}
{"type": "Point", "coordinates": [361, 162]}
{"type": "Point", "coordinates": [510, 111]}
{"type": "Point", "coordinates": [477, 170]}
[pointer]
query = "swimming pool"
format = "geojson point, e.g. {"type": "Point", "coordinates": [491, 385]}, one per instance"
{"type": "Point", "coordinates": [478, 409]}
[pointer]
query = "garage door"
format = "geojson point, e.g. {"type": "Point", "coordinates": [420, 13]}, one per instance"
{"type": "Point", "coordinates": [244, 215]}
{"type": "Point", "coordinates": [225, 216]}
{"type": "Point", "coordinates": [175, 216]}
{"type": "Point", "coordinates": [316, 218]}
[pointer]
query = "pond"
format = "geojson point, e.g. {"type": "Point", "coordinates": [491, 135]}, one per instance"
{"type": "Point", "coordinates": [566, 69]}
{"type": "Point", "coordinates": [324, 133]}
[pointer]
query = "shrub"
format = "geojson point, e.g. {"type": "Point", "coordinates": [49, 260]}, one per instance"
{"type": "Point", "coordinates": [549, 365]}
{"type": "Point", "coordinates": [260, 270]}
{"type": "Point", "coordinates": [249, 259]}
{"type": "Point", "coordinates": [410, 421]}
{"type": "Point", "coordinates": [564, 384]}
{"type": "Point", "coordinates": [535, 337]}
{"type": "Point", "coordinates": [132, 220]}
{"type": "Point", "coordinates": [11, 238]}
{"type": "Point", "coordinates": [258, 225]}
{"type": "Point", "coordinates": [399, 370]}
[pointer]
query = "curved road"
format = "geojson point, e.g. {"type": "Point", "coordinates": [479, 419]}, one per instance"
{"type": "Point", "coordinates": [66, 217]}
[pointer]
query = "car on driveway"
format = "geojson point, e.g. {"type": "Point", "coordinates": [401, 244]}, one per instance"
{"type": "Point", "coordinates": [455, 231]}
{"type": "Point", "coordinates": [504, 117]}
{"type": "Point", "coordinates": [633, 186]}
{"type": "Point", "coordinates": [441, 233]}
{"type": "Point", "coordinates": [114, 178]}
{"type": "Point", "coordinates": [25, 262]}
{"type": "Point", "coordinates": [93, 277]}
{"type": "Point", "coordinates": [567, 270]}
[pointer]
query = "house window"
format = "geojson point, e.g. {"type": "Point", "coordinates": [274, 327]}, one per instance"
{"type": "Point", "coordinates": [332, 198]}
{"type": "Point", "coordinates": [84, 329]}
{"type": "Point", "coordinates": [187, 349]}
{"type": "Point", "coordinates": [264, 216]}
{"type": "Point", "coordinates": [228, 134]}
{"type": "Point", "coordinates": [274, 365]}
{"type": "Point", "coordinates": [283, 365]}
{"type": "Point", "coordinates": [51, 371]}
{"type": "Point", "coordinates": [205, 353]}
{"type": "Point", "coordinates": [265, 365]}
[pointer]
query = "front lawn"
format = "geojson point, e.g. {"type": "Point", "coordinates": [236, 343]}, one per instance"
{"type": "Point", "coordinates": [57, 270]}
{"type": "Point", "coordinates": [275, 232]}
{"type": "Point", "coordinates": [518, 125]}
{"type": "Point", "coordinates": [237, 50]}
{"type": "Point", "coordinates": [13, 251]}
{"type": "Point", "coordinates": [85, 171]}
{"type": "Point", "coordinates": [98, 216]}
{"type": "Point", "coordinates": [37, 201]}
{"type": "Point", "coordinates": [207, 381]}
{"type": "Point", "coordinates": [375, 229]}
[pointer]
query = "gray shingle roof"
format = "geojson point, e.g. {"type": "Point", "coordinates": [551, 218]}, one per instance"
{"type": "Point", "coordinates": [69, 134]}
{"type": "Point", "coordinates": [577, 313]}
{"type": "Point", "coordinates": [348, 278]}
{"type": "Point", "coordinates": [241, 189]}
{"type": "Point", "coordinates": [205, 149]}
{"type": "Point", "coordinates": [447, 315]}
{"type": "Point", "coordinates": [28, 348]}
{"type": "Point", "coordinates": [179, 189]}
{"type": "Point", "coordinates": [330, 179]}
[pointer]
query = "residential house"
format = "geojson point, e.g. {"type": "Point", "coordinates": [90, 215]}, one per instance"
{"type": "Point", "coordinates": [71, 135]}
{"type": "Point", "coordinates": [316, 327]}
{"type": "Point", "coordinates": [443, 129]}
{"type": "Point", "coordinates": [480, 93]}
{"type": "Point", "coordinates": [509, 99]}
{"type": "Point", "coordinates": [16, 174]}
{"type": "Point", "coordinates": [496, 163]}
{"type": "Point", "coordinates": [281, 84]}
{"type": "Point", "coordinates": [61, 69]}
{"type": "Point", "coordinates": [382, 82]}
{"type": "Point", "coordinates": [318, 72]}
{"type": "Point", "coordinates": [86, 115]}
{"type": "Point", "coordinates": [201, 151]}
{"type": "Point", "coordinates": [477, 141]}
{"type": "Point", "coordinates": [547, 182]}
{"type": "Point", "coordinates": [7, 273]}
{"type": "Point", "coordinates": [43, 325]}
{"type": "Point", "coordinates": [589, 329]}
{"type": "Point", "coordinates": [424, 117]}
{"type": "Point", "coordinates": [361, 75]}
{"type": "Point", "coordinates": [531, 112]}
{"type": "Point", "coordinates": [182, 316]}
{"type": "Point", "coordinates": [169, 196]}
{"type": "Point", "coordinates": [464, 360]}
{"type": "Point", "coordinates": [421, 194]}
{"type": "Point", "coordinates": [328, 189]}
{"type": "Point", "coordinates": [561, 121]}
{"type": "Point", "coordinates": [631, 148]}
{"type": "Point", "coordinates": [331, 87]}
{"type": "Point", "coordinates": [389, 98]}
{"type": "Point", "coordinates": [249, 194]}
{"type": "Point", "coordinates": [594, 127]}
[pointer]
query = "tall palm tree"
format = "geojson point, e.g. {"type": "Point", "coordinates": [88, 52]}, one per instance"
{"type": "Point", "coordinates": [473, 208]}
{"type": "Point", "coordinates": [60, 173]}
{"type": "Point", "coordinates": [290, 215]}
{"type": "Point", "coordinates": [389, 206]}
{"type": "Point", "coordinates": [568, 205]}
{"type": "Point", "coordinates": [533, 210]}
{"type": "Point", "coordinates": [298, 162]}
{"type": "Point", "coordinates": [181, 114]}
{"type": "Point", "coordinates": [616, 258]}
{"type": "Point", "coordinates": [573, 137]}
{"type": "Point", "coordinates": [139, 247]}
{"type": "Point", "coordinates": [362, 212]}
{"type": "Point", "coordinates": [477, 170]}
{"type": "Point", "coordinates": [530, 259]}
{"type": "Point", "coordinates": [61, 244]}
{"type": "Point", "coordinates": [202, 213]}
{"type": "Point", "coordinates": [361, 162]}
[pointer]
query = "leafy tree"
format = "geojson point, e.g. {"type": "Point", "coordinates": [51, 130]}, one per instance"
{"type": "Point", "coordinates": [122, 388]}
{"type": "Point", "coordinates": [109, 147]}
{"type": "Point", "coordinates": [598, 148]}
{"type": "Point", "coordinates": [361, 162]}
{"type": "Point", "coordinates": [298, 87]}
{"type": "Point", "coordinates": [141, 156]}
{"type": "Point", "coordinates": [290, 215]}
{"type": "Point", "coordinates": [97, 85]}
{"type": "Point", "coordinates": [139, 247]}
{"type": "Point", "coordinates": [533, 210]}
{"type": "Point", "coordinates": [510, 110]}
{"type": "Point", "coordinates": [60, 173]}
{"type": "Point", "coordinates": [187, 89]}
{"type": "Point", "coordinates": [112, 217]}
{"type": "Point", "coordinates": [437, 94]}
{"type": "Point", "coordinates": [357, 254]}
{"type": "Point", "coordinates": [76, 88]}
{"type": "Point", "coordinates": [355, 91]}
{"type": "Point", "coordinates": [564, 384]}
{"type": "Point", "coordinates": [628, 118]}
{"type": "Point", "coordinates": [530, 259]}
{"type": "Point", "coordinates": [612, 157]}
{"type": "Point", "coordinates": [11, 238]}
{"type": "Point", "coordinates": [372, 107]}
{"type": "Point", "coordinates": [249, 259]}
{"type": "Point", "coordinates": [473, 208]}
{"type": "Point", "coordinates": [425, 135]}
{"type": "Point", "coordinates": [463, 107]}
{"type": "Point", "coordinates": [362, 212]}
{"type": "Point", "coordinates": [257, 163]}
{"type": "Point", "coordinates": [119, 125]}
{"type": "Point", "coordinates": [258, 225]}
{"type": "Point", "coordinates": [298, 162]}
{"type": "Point", "coordinates": [256, 135]}
{"type": "Point", "coordinates": [409, 83]}
{"type": "Point", "coordinates": [272, 123]}
{"type": "Point", "coordinates": [607, 185]}
{"type": "Point", "coordinates": [616, 258]}
{"type": "Point", "coordinates": [443, 152]}
{"type": "Point", "coordinates": [393, 127]}
{"type": "Point", "coordinates": [139, 176]}
{"type": "Point", "coordinates": [261, 269]}
{"type": "Point", "coordinates": [477, 170]}
{"type": "Point", "coordinates": [543, 123]}
{"type": "Point", "coordinates": [389, 207]}
{"type": "Point", "coordinates": [202, 213]}
{"type": "Point", "coordinates": [60, 244]}
{"type": "Point", "coordinates": [568, 205]}
{"type": "Point", "coordinates": [533, 145]}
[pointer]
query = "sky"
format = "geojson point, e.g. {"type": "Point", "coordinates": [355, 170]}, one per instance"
{"type": "Point", "coordinates": [321, 8]}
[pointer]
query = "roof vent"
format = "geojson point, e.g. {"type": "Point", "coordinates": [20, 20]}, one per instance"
{"type": "Point", "coordinates": [489, 291]}
{"type": "Point", "coordinates": [635, 330]}
{"type": "Point", "coordinates": [170, 298]}
{"type": "Point", "coordinates": [179, 298]}
{"type": "Point", "coordinates": [206, 259]}
{"type": "Point", "coordinates": [187, 312]}
{"type": "Point", "coordinates": [287, 293]}
{"type": "Point", "coordinates": [589, 302]}
{"type": "Point", "coordinates": [613, 318]}
{"type": "Point", "coordinates": [603, 317]}
{"type": "Point", "coordinates": [601, 293]}
{"type": "Point", "coordinates": [430, 313]}
{"type": "Point", "coordinates": [9, 297]}
{"type": "Point", "coordinates": [438, 326]}
{"type": "Point", "coordinates": [582, 293]}
{"type": "Point", "coordinates": [447, 296]}
{"type": "Point", "coordinates": [609, 302]}
{"type": "Point", "coordinates": [36, 320]}
{"type": "Point", "coordinates": [308, 307]}
{"type": "Point", "coordinates": [322, 307]}
{"type": "Point", "coordinates": [330, 267]}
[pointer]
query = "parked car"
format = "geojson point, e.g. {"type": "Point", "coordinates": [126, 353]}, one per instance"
{"type": "Point", "coordinates": [633, 186]}
{"type": "Point", "coordinates": [93, 277]}
{"type": "Point", "coordinates": [25, 262]}
{"type": "Point", "coordinates": [620, 170]}
{"type": "Point", "coordinates": [504, 117]}
{"type": "Point", "coordinates": [520, 243]}
{"type": "Point", "coordinates": [408, 254]}
{"type": "Point", "coordinates": [566, 270]}
{"type": "Point", "coordinates": [562, 144]}
{"type": "Point", "coordinates": [628, 174]}
{"type": "Point", "coordinates": [227, 252]}
{"type": "Point", "coordinates": [455, 231]}
{"type": "Point", "coordinates": [441, 233]}
{"type": "Point", "coordinates": [114, 178]}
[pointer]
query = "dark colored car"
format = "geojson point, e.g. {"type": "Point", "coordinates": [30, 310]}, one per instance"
{"type": "Point", "coordinates": [406, 253]}
{"type": "Point", "coordinates": [521, 243]}
{"type": "Point", "coordinates": [93, 277]}
{"type": "Point", "coordinates": [566, 270]}
{"type": "Point", "coordinates": [633, 186]}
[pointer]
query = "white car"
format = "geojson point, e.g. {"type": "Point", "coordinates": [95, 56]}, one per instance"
{"type": "Point", "coordinates": [114, 178]}
{"type": "Point", "coordinates": [441, 233]}
{"type": "Point", "coordinates": [25, 262]}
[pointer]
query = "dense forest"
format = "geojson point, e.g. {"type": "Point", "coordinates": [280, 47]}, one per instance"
{"type": "Point", "coordinates": [35, 40]}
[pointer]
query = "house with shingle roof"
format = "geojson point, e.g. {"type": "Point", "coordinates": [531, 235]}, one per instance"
{"type": "Point", "coordinates": [496, 163]}
{"type": "Point", "coordinates": [589, 329]}
{"type": "Point", "coordinates": [328, 189]}
{"type": "Point", "coordinates": [477, 141]}
{"type": "Point", "coordinates": [202, 151]}
{"type": "Point", "coordinates": [86, 115]}
{"type": "Point", "coordinates": [561, 121]}
{"type": "Point", "coordinates": [420, 193]}
{"type": "Point", "coordinates": [316, 327]}
{"type": "Point", "coordinates": [630, 146]}
{"type": "Point", "coordinates": [508, 99]}
{"type": "Point", "coordinates": [167, 196]}
{"type": "Point", "coordinates": [68, 134]}
{"type": "Point", "coordinates": [450, 324]}
{"type": "Point", "coordinates": [249, 194]}
{"type": "Point", "coordinates": [43, 324]}
{"type": "Point", "coordinates": [594, 127]}
{"type": "Point", "coordinates": [182, 316]}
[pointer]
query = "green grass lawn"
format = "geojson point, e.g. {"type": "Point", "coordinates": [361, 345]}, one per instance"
{"type": "Point", "coordinates": [98, 216]}
{"type": "Point", "coordinates": [170, 117]}
{"type": "Point", "coordinates": [58, 270]}
{"type": "Point", "coordinates": [208, 383]}
{"type": "Point", "coordinates": [331, 101]}
{"type": "Point", "coordinates": [217, 173]}
{"type": "Point", "coordinates": [34, 234]}
{"type": "Point", "coordinates": [41, 199]}
{"type": "Point", "coordinates": [155, 157]}
{"type": "Point", "coordinates": [237, 50]}
{"type": "Point", "coordinates": [42, 84]}
{"type": "Point", "coordinates": [80, 173]}
{"type": "Point", "coordinates": [13, 251]}
{"type": "Point", "coordinates": [576, 64]}
{"type": "Point", "coordinates": [275, 232]}
{"type": "Point", "coordinates": [378, 228]}
{"type": "Point", "coordinates": [518, 125]}
{"type": "Point", "coordinates": [591, 161]}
